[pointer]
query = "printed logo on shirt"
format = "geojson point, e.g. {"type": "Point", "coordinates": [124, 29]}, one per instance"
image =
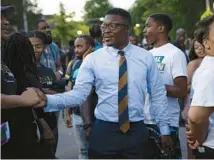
{"type": "Point", "coordinates": [46, 80]}
{"type": "Point", "coordinates": [7, 71]}
{"type": "Point", "coordinates": [161, 65]}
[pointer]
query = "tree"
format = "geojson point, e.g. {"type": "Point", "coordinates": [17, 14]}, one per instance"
{"type": "Point", "coordinates": [183, 13]}
{"type": "Point", "coordinates": [33, 14]}
{"type": "Point", "coordinates": [64, 28]}
{"type": "Point", "coordinates": [96, 9]}
{"type": "Point", "coordinates": [209, 9]}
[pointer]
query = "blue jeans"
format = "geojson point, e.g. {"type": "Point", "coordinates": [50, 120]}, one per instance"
{"type": "Point", "coordinates": [80, 136]}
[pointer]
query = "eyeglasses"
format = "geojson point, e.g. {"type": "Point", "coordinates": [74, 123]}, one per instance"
{"type": "Point", "coordinates": [111, 26]}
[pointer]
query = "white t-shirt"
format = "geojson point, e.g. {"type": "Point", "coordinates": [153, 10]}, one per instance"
{"type": "Point", "coordinates": [171, 63]}
{"type": "Point", "coordinates": [203, 93]}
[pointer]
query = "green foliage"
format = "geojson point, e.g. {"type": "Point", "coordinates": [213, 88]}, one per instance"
{"type": "Point", "coordinates": [96, 8]}
{"type": "Point", "coordinates": [33, 14]}
{"type": "Point", "coordinates": [63, 30]}
{"type": "Point", "coordinates": [207, 13]}
{"type": "Point", "coordinates": [184, 13]}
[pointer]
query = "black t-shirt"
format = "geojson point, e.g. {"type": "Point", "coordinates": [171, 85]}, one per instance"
{"type": "Point", "coordinates": [8, 87]}
{"type": "Point", "coordinates": [48, 80]}
{"type": "Point", "coordinates": [22, 129]}
{"type": "Point", "coordinates": [23, 117]}
{"type": "Point", "coordinates": [46, 76]}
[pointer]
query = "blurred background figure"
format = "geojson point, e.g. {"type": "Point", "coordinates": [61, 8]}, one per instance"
{"type": "Point", "coordinates": [51, 56]}
{"type": "Point", "coordinates": [71, 53]}
{"type": "Point", "coordinates": [188, 45]}
{"type": "Point", "coordinates": [84, 45]}
{"type": "Point", "coordinates": [46, 76]}
{"type": "Point", "coordinates": [96, 34]}
{"type": "Point", "coordinates": [133, 39]}
{"type": "Point", "coordinates": [179, 42]}
{"type": "Point", "coordinates": [146, 45]}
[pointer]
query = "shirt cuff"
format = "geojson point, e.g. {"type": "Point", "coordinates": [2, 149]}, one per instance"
{"type": "Point", "coordinates": [164, 130]}
{"type": "Point", "coordinates": [51, 104]}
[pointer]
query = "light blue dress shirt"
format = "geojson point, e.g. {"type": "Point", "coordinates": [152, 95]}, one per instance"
{"type": "Point", "coordinates": [101, 69]}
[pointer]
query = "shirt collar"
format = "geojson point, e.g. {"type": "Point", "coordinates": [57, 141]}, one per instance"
{"type": "Point", "coordinates": [114, 51]}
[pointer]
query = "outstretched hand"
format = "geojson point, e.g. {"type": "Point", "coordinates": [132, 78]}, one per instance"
{"type": "Point", "coordinates": [42, 98]}
{"type": "Point", "coordinates": [30, 98]}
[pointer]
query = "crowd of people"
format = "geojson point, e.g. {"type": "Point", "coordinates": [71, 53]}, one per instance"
{"type": "Point", "coordinates": [123, 100]}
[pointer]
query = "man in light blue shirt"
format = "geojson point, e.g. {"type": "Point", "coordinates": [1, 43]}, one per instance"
{"type": "Point", "coordinates": [110, 138]}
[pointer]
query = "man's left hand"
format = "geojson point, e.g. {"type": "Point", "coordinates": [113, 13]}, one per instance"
{"type": "Point", "coordinates": [42, 97]}
{"type": "Point", "coordinates": [192, 142]}
{"type": "Point", "coordinates": [166, 142]}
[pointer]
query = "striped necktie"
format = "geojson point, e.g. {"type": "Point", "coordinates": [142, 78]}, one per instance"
{"type": "Point", "coordinates": [123, 94]}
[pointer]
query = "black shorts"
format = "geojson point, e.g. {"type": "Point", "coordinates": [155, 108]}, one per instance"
{"type": "Point", "coordinates": [204, 153]}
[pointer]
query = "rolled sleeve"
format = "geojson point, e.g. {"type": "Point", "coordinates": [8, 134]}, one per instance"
{"type": "Point", "coordinates": [78, 95]}
{"type": "Point", "coordinates": [51, 104]}
{"type": "Point", "coordinates": [157, 91]}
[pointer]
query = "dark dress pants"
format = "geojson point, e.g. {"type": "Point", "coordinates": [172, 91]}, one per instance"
{"type": "Point", "coordinates": [107, 141]}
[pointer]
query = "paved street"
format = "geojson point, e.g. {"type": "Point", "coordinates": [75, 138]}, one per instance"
{"type": "Point", "coordinates": [67, 147]}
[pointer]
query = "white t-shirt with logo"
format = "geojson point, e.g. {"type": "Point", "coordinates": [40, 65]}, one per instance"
{"type": "Point", "coordinates": [172, 64]}
{"type": "Point", "coordinates": [203, 93]}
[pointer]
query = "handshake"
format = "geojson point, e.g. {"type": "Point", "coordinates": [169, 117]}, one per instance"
{"type": "Point", "coordinates": [33, 97]}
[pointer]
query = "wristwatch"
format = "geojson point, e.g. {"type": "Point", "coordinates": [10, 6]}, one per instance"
{"type": "Point", "coordinates": [60, 72]}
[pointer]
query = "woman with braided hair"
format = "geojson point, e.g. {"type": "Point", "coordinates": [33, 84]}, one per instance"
{"type": "Point", "coordinates": [24, 142]}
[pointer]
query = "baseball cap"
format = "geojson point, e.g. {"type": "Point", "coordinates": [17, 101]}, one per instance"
{"type": "Point", "coordinates": [7, 9]}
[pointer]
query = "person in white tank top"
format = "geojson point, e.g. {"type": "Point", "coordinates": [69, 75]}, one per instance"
{"type": "Point", "coordinates": [201, 112]}
{"type": "Point", "coordinates": [196, 56]}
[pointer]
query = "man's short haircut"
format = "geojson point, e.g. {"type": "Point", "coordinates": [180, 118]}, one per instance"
{"type": "Point", "coordinates": [163, 19]}
{"type": "Point", "coordinates": [88, 39]}
{"type": "Point", "coordinates": [39, 21]}
{"type": "Point", "coordinates": [95, 31]}
{"type": "Point", "coordinates": [180, 30]}
{"type": "Point", "coordinates": [203, 29]}
{"type": "Point", "coordinates": [121, 12]}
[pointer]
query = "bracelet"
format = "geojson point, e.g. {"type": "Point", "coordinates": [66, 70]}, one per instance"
{"type": "Point", "coordinates": [86, 126]}
{"type": "Point", "coordinates": [60, 72]}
